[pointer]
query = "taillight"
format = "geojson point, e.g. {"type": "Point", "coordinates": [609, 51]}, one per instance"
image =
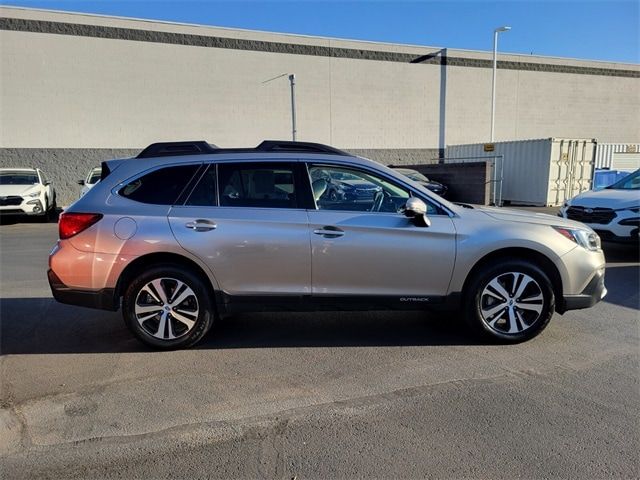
{"type": "Point", "coordinates": [71, 224]}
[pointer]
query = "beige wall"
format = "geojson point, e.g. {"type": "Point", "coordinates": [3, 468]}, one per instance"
{"type": "Point", "coordinates": [62, 91]}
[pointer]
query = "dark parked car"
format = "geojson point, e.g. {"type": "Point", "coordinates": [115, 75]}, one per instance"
{"type": "Point", "coordinates": [436, 187]}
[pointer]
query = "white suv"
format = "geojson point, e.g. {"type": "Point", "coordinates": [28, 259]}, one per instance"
{"type": "Point", "coordinates": [26, 191]}
{"type": "Point", "coordinates": [93, 177]}
{"type": "Point", "coordinates": [613, 212]}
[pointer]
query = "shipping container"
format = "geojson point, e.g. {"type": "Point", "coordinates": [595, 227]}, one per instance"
{"type": "Point", "coordinates": [618, 156]}
{"type": "Point", "coordinates": [542, 172]}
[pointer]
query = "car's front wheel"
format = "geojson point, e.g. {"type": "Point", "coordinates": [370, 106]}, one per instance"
{"type": "Point", "coordinates": [511, 301]}
{"type": "Point", "coordinates": [168, 307]}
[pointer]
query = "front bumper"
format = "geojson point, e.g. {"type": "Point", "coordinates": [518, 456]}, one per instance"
{"type": "Point", "coordinates": [592, 294]}
{"type": "Point", "coordinates": [27, 207]}
{"type": "Point", "coordinates": [609, 236]}
{"type": "Point", "coordinates": [102, 299]}
{"type": "Point", "coordinates": [624, 227]}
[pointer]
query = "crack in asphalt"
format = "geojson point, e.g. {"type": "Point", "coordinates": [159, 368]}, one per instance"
{"type": "Point", "coordinates": [284, 415]}
{"type": "Point", "coordinates": [81, 407]}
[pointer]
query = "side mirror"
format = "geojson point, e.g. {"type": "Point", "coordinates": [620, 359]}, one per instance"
{"type": "Point", "coordinates": [47, 183]}
{"type": "Point", "coordinates": [81, 182]}
{"type": "Point", "coordinates": [416, 210]}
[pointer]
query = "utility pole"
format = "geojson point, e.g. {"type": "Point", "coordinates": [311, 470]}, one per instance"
{"type": "Point", "coordinates": [292, 81]}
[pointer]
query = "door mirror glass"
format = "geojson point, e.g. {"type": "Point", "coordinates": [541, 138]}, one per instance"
{"type": "Point", "coordinates": [416, 210]}
{"type": "Point", "coordinates": [80, 182]}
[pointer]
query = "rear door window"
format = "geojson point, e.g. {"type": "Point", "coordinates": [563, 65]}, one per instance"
{"type": "Point", "coordinates": [204, 193]}
{"type": "Point", "coordinates": [261, 185]}
{"type": "Point", "coordinates": [161, 186]}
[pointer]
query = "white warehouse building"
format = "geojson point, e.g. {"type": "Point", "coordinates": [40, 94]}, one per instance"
{"type": "Point", "coordinates": [77, 89]}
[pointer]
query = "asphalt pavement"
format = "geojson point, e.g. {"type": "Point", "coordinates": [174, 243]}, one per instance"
{"type": "Point", "coordinates": [322, 395]}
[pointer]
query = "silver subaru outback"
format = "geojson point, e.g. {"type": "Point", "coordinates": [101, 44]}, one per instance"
{"type": "Point", "coordinates": [186, 232]}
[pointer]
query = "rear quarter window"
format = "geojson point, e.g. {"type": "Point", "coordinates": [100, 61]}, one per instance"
{"type": "Point", "coordinates": [160, 187]}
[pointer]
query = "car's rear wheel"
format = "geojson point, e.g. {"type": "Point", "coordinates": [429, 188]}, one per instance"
{"type": "Point", "coordinates": [510, 302]}
{"type": "Point", "coordinates": [168, 307]}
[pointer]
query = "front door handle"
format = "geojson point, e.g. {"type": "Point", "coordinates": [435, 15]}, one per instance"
{"type": "Point", "coordinates": [201, 225]}
{"type": "Point", "coordinates": [329, 232]}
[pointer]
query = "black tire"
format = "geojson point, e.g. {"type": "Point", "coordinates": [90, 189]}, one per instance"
{"type": "Point", "coordinates": [479, 293]}
{"type": "Point", "coordinates": [52, 211]}
{"type": "Point", "coordinates": [144, 330]}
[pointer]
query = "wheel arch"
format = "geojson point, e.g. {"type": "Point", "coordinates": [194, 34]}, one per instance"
{"type": "Point", "coordinates": [522, 253]}
{"type": "Point", "coordinates": [160, 258]}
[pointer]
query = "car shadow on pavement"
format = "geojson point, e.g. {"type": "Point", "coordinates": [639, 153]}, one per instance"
{"type": "Point", "coordinates": [14, 219]}
{"type": "Point", "coordinates": [43, 326]}
{"type": "Point", "coordinates": [619, 252]}
{"type": "Point", "coordinates": [621, 279]}
{"type": "Point", "coordinates": [623, 284]}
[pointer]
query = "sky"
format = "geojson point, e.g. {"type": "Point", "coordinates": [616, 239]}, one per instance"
{"type": "Point", "coordinates": [607, 30]}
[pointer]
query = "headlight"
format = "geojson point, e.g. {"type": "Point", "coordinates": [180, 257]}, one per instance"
{"type": "Point", "coordinates": [32, 195]}
{"type": "Point", "coordinates": [634, 209]}
{"type": "Point", "coordinates": [585, 238]}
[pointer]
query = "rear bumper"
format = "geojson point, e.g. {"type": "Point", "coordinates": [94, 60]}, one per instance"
{"type": "Point", "coordinates": [592, 294]}
{"type": "Point", "coordinates": [102, 299]}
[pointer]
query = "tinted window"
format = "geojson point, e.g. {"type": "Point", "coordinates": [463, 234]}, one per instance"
{"type": "Point", "coordinates": [160, 187]}
{"type": "Point", "coordinates": [336, 188]}
{"type": "Point", "coordinates": [267, 185]}
{"type": "Point", "coordinates": [204, 194]}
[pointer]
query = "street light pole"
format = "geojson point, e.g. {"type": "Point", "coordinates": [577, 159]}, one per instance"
{"type": "Point", "coordinates": [493, 83]}
{"type": "Point", "coordinates": [292, 80]}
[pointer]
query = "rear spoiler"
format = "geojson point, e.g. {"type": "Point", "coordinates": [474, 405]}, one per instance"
{"type": "Point", "coordinates": [104, 173]}
{"type": "Point", "coordinates": [109, 166]}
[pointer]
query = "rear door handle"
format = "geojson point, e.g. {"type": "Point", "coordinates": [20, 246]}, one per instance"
{"type": "Point", "coordinates": [201, 225]}
{"type": "Point", "coordinates": [329, 232]}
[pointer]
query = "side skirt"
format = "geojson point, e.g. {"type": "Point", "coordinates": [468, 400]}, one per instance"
{"type": "Point", "coordinates": [310, 303]}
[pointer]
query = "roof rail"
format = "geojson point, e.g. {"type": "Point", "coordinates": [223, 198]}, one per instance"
{"type": "Point", "coordinates": [291, 146]}
{"type": "Point", "coordinates": [171, 149]}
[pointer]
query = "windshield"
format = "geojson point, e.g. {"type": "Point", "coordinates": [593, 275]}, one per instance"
{"type": "Point", "coordinates": [344, 176]}
{"type": "Point", "coordinates": [18, 178]}
{"type": "Point", "coordinates": [94, 177]}
{"type": "Point", "coordinates": [413, 174]}
{"type": "Point", "coordinates": [630, 182]}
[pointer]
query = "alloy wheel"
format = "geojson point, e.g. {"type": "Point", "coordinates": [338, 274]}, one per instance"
{"type": "Point", "coordinates": [511, 303]}
{"type": "Point", "coordinates": [166, 308]}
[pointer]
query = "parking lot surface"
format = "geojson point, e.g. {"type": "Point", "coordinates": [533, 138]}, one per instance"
{"type": "Point", "coordinates": [326, 395]}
